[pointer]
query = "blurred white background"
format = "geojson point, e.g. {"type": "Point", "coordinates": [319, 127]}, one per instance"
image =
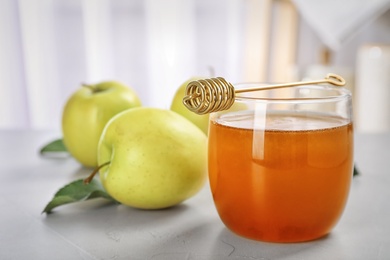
{"type": "Point", "coordinates": [49, 47]}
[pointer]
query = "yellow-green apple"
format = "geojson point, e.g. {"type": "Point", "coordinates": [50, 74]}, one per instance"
{"type": "Point", "coordinates": [87, 111]}
{"type": "Point", "coordinates": [152, 158]}
{"type": "Point", "coordinates": [202, 121]}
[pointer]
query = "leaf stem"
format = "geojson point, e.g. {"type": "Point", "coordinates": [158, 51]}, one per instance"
{"type": "Point", "coordinates": [96, 170]}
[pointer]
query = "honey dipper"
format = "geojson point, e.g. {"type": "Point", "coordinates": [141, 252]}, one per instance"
{"type": "Point", "coordinates": [216, 94]}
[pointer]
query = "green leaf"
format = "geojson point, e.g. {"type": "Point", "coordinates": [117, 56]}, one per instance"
{"type": "Point", "coordinates": [77, 191]}
{"type": "Point", "coordinates": [56, 146]}
{"type": "Point", "coordinates": [355, 171]}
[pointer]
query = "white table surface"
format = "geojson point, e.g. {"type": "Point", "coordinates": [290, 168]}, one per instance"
{"type": "Point", "coordinates": [98, 230]}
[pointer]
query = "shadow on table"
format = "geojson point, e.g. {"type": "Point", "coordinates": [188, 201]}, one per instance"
{"type": "Point", "coordinates": [243, 248]}
{"type": "Point", "coordinates": [99, 213]}
{"type": "Point", "coordinates": [121, 232]}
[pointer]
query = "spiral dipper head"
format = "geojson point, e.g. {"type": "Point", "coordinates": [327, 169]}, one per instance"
{"type": "Point", "coordinates": [209, 95]}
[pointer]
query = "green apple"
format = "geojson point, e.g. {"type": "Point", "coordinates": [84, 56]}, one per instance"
{"type": "Point", "coordinates": [86, 113]}
{"type": "Point", "coordinates": [202, 121]}
{"type": "Point", "coordinates": [156, 158]}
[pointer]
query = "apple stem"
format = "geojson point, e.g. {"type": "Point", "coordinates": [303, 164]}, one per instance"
{"type": "Point", "coordinates": [96, 170]}
{"type": "Point", "coordinates": [88, 86]}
